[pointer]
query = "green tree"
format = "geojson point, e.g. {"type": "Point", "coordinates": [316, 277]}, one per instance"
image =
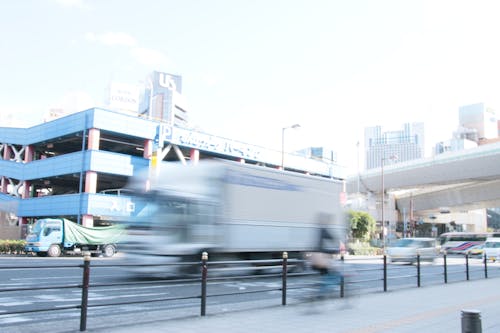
{"type": "Point", "coordinates": [362, 225]}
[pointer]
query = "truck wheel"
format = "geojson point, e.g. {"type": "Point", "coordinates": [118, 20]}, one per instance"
{"type": "Point", "coordinates": [109, 250]}
{"type": "Point", "coordinates": [54, 251]}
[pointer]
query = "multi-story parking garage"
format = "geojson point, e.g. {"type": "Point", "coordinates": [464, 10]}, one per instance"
{"type": "Point", "coordinates": [74, 166]}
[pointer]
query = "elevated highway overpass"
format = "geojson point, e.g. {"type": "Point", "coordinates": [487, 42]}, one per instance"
{"type": "Point", "coordinates": [453, 181]}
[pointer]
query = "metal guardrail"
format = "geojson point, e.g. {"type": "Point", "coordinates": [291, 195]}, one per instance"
{"type": "Point", "coordinates": [284, 263]}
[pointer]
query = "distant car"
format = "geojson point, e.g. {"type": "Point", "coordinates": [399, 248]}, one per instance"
{"type": "Point", "coordinates": [477, 250]}
{"type": "Point", "coordinates": [407, 249]}
{"type": "Point", "coordinates": [491, 249]}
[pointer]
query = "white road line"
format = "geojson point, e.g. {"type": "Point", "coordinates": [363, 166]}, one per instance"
{"type": "Point", "coordinates": [54, 298]}
{"type": "Point", "coordinates": [96, 297]}
{"type": "Point", "coordinates": [12, 284]}
{"type": "Point", "coordinates": [121, 289]}
{"type": "Point", "coordinates": [66, 277]}
{"type": "Point", "coordinates": [14, 319]}
{"type": "Point", "coordinates": [47, 278]}
{"type": "Point", "coordinates": [15, 303]}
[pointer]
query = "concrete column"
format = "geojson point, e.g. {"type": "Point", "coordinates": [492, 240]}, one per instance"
{"type": "Point", "coordinates": [23, 221]}
{"type": "Point", "coordinates": [90, 182]}
{"type": "Point", "coordinates": [148, 149]}
{"type": "Point", "coordinates": [26, 189]}
{"type": "Point", "coordinates": [3, 185]}
{"type": "Point", "coordinates": [94, 138]}
{"type": "Point", "coordinates": [5, 156]}
{"type": "Point", "coordinates": [194, 156]}
{"type": "Point", "coordinates": [91, 176]}
{"type": "Point", "coordinates": [87, 220]}
{"type": "Point", "coordinates": [28, 154]}
{"type": "Point", "coordinates": [6, 152]}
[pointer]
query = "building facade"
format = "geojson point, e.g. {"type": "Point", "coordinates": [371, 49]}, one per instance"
{"type": "Point", "coordinates": [478, 125]}
{"type": "Point", "coordinates": [75, 166]}
{"type": "Point", "coordinates": [393, 146]}
{"type": "Point", "coordinates": [165, 99]}
{"type": "Point", "coordinates": [479, 118]}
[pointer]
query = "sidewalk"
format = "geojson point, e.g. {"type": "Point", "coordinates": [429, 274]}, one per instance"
{"type": "Point", "coordinates": [427, 309]}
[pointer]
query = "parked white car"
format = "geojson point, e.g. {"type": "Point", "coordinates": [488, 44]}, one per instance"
{"type": "Point", "coordinates": [491, 249]}
{"type": "Point", "coordinates": [407, 249]}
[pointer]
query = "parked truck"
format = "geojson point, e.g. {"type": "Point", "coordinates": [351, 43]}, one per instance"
{"type": "Point", "coordinates": [55, 236]}
{"type": "Point", "coordinates": [231, 210]}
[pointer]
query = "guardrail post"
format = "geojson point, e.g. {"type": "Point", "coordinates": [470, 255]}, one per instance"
{"type": "Point", "coordinates": [385, 272]}
{"type": "Point", "coordinates": [445, 266]}
{"type": "Point", "coordinates": [342, 279]}
{"type": "Point", "coordinates": [204, 259]}
{"type": "Point", "coordinates": [467, 266]}
{"type": "Point", "coordinates": [283, 278]}
{"type": "Point", "coordinates": [485, 267]}
{"type": "Point", "coordinates": [418, 270]}
{"type": "Point", "coordinates": [85, 291]}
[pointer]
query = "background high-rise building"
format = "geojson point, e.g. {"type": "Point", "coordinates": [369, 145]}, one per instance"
{"type": "Point", "coordinates": [405, 144]}
{"type": "Point", "coordinates": [319, 153]}
{"type": "Point", "coordinates": [478, 125]}
{"type": "Point", "coordinates": [165, 101]}
{"type": "Point", "coordinates": [480, 118]}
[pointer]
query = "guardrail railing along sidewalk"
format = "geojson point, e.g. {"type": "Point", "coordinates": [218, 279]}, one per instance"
{"type": "Point", "coordinates": [354, 275]}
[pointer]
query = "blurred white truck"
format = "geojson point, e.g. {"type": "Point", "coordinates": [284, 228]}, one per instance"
{"type": "Point", "coordinates": [231, 210]}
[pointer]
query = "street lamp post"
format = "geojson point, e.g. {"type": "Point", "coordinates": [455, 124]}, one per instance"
{"type": "Point", "coordinates": [382, 204]}
{"type": "Point", "coordinates": [383, 198]}
{"type": "Point", "coordinates": [283, 144]}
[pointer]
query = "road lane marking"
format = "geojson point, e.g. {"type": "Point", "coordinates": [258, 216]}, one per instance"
{"type": "Point", "coordinates": [66, 277]}
{"type": "Point", "coordinates": [15, 303]}
{"type": "Point", "coordinates": [47, 278]}
{"type": "Point", "coordinates": [6, 319]}
{"type": "Point", "coordinates": [121, 289]}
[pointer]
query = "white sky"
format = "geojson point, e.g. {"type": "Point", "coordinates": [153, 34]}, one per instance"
{"type": "Point", "coordinates": [252, 67]}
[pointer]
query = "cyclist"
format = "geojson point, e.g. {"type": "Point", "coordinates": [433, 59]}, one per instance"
{"type": "Point", "coordinates": [322, 259]}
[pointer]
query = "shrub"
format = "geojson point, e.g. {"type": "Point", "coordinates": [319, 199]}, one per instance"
{"type": "Point", "coordinates": [364, 248]}
{"type": "Point", "coordinates": [12, 246]}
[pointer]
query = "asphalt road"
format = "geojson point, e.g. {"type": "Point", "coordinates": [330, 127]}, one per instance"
{"type": "Point", "coordinates": [115, 296]}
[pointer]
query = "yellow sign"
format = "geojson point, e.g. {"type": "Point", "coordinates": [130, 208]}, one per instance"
{"type": "Point", "coordinates": [154, 160]}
